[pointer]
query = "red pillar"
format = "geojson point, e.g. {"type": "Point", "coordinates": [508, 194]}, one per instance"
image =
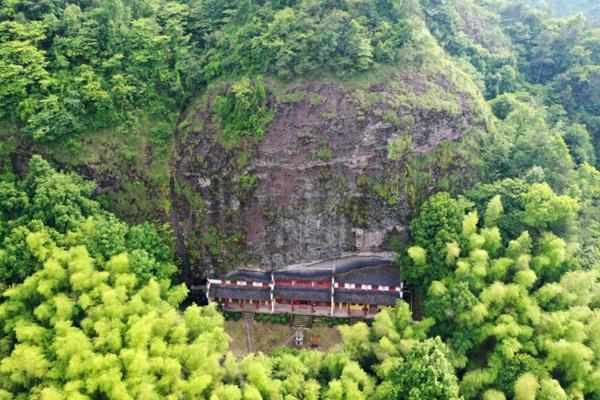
{"type": "Point", "coordinates": [348, 308]}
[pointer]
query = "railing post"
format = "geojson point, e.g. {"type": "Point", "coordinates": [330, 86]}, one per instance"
{"type": "Point", "coordinates": [332, 294]}
{"type": "Point", "coordinates": [208, 291]}
{"type": "Point", "coordinates": [272, 286]}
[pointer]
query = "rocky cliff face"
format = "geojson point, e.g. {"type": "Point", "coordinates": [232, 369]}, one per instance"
{"type": "Point", "coordinates": [338, 169]}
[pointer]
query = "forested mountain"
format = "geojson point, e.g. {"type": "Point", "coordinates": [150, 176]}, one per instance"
{"type": "Point", "coordinates": [148, 144]}
{"type": "Point", "coordinates": [563, 8]}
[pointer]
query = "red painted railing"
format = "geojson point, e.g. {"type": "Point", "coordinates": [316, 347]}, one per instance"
{"type": "Point", "coordinates": [284, 282]}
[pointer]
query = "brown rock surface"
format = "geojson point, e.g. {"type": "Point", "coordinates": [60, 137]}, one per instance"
{"type": "Point", "coordinates": [302, 207]}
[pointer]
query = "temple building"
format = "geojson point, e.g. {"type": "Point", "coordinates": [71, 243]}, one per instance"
{"type": "Point", "coordinates": [357, 285]}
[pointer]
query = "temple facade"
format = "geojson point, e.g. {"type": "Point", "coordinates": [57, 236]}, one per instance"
{"type": "Point", "coordinates": [351, 286]}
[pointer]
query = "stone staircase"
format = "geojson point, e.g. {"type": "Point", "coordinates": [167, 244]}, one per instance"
{"type": "Point", "coordinates": [248, 319]}
{"type": "Point", "coordinates": [302, 321]}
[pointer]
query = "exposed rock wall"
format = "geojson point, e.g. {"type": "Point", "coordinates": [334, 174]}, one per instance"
{"type": "Point", "coordinates": [323, 180]}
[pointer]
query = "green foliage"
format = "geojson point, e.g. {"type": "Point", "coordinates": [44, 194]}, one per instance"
{"type": "Point", "coordinates": [516, 49]}
{"type": "Point", "coordinates": [322, 154]}
{"type": "Point", "coordinates": [243, 112]}
{"type": "Point", "coordinates": [18, 259]}
{"type": "Point", "coordinates": [302, 37]}
{"type": "Point", "coordinates": [425, 373]}
{"type": "Point", "coordinates": [588, 179]}
{"type": "Point", "coordinates": [512, 301]}
{"type": "Point", "coordinates": [502, 312]}
{"type": "Point", "coordinates": [81, 329]}
{"type": "Point", "coordinates": [493, 212]}
{"type": "Point", "coordinates": [232, 316]}
{"type": "Point", "coordinates": [397, 148]}
{"type": "Point", "coordinates": [560, 56]}
{"type": "Point", "coordinates": [70, 67]}
{"type": "Point", "coordinates": [545, 210]}
{"type": "Point", "coordinates": [578, 140]}
{"type": "Point", "coordinates": [535, 207]}
{"type": "Point", "coordinates": [247, 183]}
{"type": "Point", "coordinates": [526, 387]}
{"type": "Point", "coordinates": [50, 209]}
{"type": "Point", "coordinates": [438, 223]}
{"type": "Point", "coordinates": [285, 319]}
{"type": "Point", "coordinates": [523, 141]}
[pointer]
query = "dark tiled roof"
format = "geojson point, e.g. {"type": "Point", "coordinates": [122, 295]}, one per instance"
{"type": "Point", "coordinates": [373, 297]}
{"type": "Point", "coordinates": [343, 264]}
{"type": "Point", "coordinates": [360, 269]}
{"type": "Point", "coordinates": [320, 270]}
{"type": "Point", "coordinates": [382, 275]}
{"type": "Point", "coordinates": [240, 292]}
{"type": "Point", "coordinates": [366, 297]}
{"type": "Point", "coordinates": [303, 294]}
{"type": "Point", "coordinates": [249, 275]}
{"type": "Point", "coordinates": [380, 270]}
{"type": "Point", "coordinates": [348, 264]}
{"type": "Point", "coordinates": [318, 275]}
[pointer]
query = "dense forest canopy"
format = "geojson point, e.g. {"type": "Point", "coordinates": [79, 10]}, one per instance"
{"type": "Point", "coordinates": [562, 8]}
{"type": "Point", "coordinates": [72, 66]}
{"type": "Point", "coordinates": [505, 273]}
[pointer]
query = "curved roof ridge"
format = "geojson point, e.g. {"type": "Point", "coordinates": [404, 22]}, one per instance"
{"type": "Point", "coordinates": [387, 256]}
{"type": "Point", "coordinates": [341, 264]}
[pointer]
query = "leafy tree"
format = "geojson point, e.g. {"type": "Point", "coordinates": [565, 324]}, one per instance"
{"type": "Point", "coordinates": [243, 112]}
{"type": "Point", "coordinates": [18, 257]}
{"type": "Point", "coordinates": [22, 65]}
{"type": "Point", "coordinates": [585, 190]}
{"type": "Point", "coordinates": [299, 37]}
{"type": "Point", "coordinates": [514, 206]}
{"type": "Point", "coordinates": [560, 55]}
{"type": "Point", "coordinates": [438, 223]}
{"type": "Point", "coordinates": [523, 141]}
{"type": "Point", "coordinates": [50, 208]}
{"type": "Point", "coordinates": [545, 210]}
{"type": "Point", "coordinates": [72, 67]}
{"type": "Point", "coordinates": [499, 311]}
{"type": "Point", "coordinates": [425, 373]}
{"type": "Point", "coordinates": [76, 328]}
{"type": "Point", "coordinates": [578, 140]}
{"type": "Point", "coordinates": [13, 201]}
{"type": "Point", "coordinates": [526, 387]}
{"type": "Point", "coordinates": [493, 212]}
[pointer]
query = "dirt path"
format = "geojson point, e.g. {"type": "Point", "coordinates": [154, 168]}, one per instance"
{"type": "Point", "coordinates": [292, 336]}
{"type": "Point", "coordinates": [248, 317]}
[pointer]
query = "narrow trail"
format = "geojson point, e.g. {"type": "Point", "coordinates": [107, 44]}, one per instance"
{"type": "Point", "coordinates": [292, 336]}
{"type": "Point", "coordinates": [248, 318]}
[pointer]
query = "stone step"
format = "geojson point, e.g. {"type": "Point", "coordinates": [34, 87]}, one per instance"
{"type": "Point", "coordinates": [301, 320]}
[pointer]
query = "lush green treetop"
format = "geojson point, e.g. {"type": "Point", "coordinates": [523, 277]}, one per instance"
{"type": "Point", "coordinates": [519, 314]}
{"type": "Point", "coordinates": [73, 329]}
{"type": "Point", "coordinates": [53, 209]}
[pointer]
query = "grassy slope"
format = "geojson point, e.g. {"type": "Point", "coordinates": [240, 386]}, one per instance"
{"type": "Point", "coordinates": [268, 337]}
{"type": "Point", "coordinates": [130, 164]}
